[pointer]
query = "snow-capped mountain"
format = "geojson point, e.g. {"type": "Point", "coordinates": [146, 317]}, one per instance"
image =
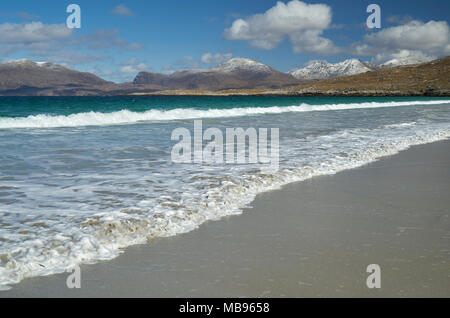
{"type": "Point", "coordinates": [234, 66]}
{"type": "Point", "coordinates": [26, 63]}
{"type": "Point", "coordinates": [236, 73]}
{"type": "Point", "coordinates": [239, 65]}
{"type": "Point", "coordinates": [317, 70]}
{"type": "Point", "coordinates": [28, 78]}
{"type": "Point", "coordinates": [22, 77]}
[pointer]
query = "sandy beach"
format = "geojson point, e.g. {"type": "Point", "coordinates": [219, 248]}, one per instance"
{"type": "Point", "coordinates": [309, 239]}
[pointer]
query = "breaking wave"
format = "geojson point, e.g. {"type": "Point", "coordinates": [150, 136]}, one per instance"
{"type": "Point", "coordinates": [129, 117]}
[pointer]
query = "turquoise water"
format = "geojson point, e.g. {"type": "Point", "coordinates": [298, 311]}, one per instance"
{"type": "Point", "coordinates": [81, 178]}
{"type": "Point", "coordinates": [25, 106]}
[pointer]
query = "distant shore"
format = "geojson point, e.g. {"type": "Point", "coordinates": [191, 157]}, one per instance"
{"type": "Point", "coordinates": [313, 238]}
{"type": "Point", "coordinates": [287, 93]}
{"type": "Point", "coordinates": [238, 93]}
{"type": "Point", "coordinates": [425, 79]}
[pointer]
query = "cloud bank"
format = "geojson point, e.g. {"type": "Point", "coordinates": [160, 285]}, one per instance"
{"type": "Point", "coordinates": [32, 32]}
{"type": "Point", "coordinates": [415, 39]}
{"type": "Point", "coordinates": [302, 23]}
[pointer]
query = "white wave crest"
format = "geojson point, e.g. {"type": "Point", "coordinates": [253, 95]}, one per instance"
{"type": "Point", "coordinates": [130, 117]}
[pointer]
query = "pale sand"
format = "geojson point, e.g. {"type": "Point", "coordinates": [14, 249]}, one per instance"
{"type": "Point", "coordinates": [313, 238]}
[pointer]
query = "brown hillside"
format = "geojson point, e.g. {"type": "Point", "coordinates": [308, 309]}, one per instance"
{"type": "Point", "coordinates": [432, 78]}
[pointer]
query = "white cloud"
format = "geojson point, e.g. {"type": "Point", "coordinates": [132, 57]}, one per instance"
{"type": "Point", "coordinates": [59, 44]}
{"type": "Point", "coordinates": [303, 23]}
{"type": "Point", "coordinates": [133, 66]}
{"type": "Point", "coordinates": [311, 41]}
{"type": "Point", "coordinates": [32, 32]}
{"type": "Point", "coordinates": [415, 40]}
{"type": "Point", "coordinates": [122, 10]}
{"type": "Point", "coordinates": [42, 41]}
{"type": "Point", "coordinates": [414, 35]}
{"type": "Point", "coordinates": [403, 55]}
{"type": "Point", "coordinates": [209, 58]}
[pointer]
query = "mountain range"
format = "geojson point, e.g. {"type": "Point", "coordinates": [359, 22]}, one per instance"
{"type": "Point", "coordinates": [319, 70]}
{"type": "Point", "coordinates": [25, 77]}
{"type": "Point", "coordinates": [423, 79]}
{"type": "Point", "coordinates": [236, 73]}
{"type": "Point", "coordinates": [28, 78]}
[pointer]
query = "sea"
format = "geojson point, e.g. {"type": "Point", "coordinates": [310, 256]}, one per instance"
{"type": "Point", "coordinates": [82, 178]}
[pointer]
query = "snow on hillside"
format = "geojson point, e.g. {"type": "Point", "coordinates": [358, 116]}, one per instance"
{"type": "Point", "coordinates": [238, 64]}
{"type": "Point", "coordinates": [317, 70]}
{"type": "Point", "coordinates": [401, 61]}
{"type": "Point", "coordinates": [30, 63]}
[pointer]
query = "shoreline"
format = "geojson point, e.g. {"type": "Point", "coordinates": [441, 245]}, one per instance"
{"type": "Point", "coordinates": [331, 228]}
{"type": "Point", "coordinates": [286, 93]}
{"type": "Point", "coordinates": [245, 94]}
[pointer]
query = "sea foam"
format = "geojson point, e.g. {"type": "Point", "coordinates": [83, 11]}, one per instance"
{"type": "Point", "coordinates": [104, 235]}
{"type": "Point", "coordinates": [71, 216]}
{"type": "Point", "coordinates": [129, 117]}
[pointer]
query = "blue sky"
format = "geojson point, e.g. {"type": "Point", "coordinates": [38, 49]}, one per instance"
{"type": "Point", "coordinates": [119, 38]}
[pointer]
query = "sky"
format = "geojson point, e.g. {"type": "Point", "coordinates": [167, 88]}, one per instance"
{"type": "Point", "coordinates": [117, 39]}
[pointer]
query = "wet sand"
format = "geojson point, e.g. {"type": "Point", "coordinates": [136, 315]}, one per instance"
{"type": "Point", "coordinates": [310, 239]}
